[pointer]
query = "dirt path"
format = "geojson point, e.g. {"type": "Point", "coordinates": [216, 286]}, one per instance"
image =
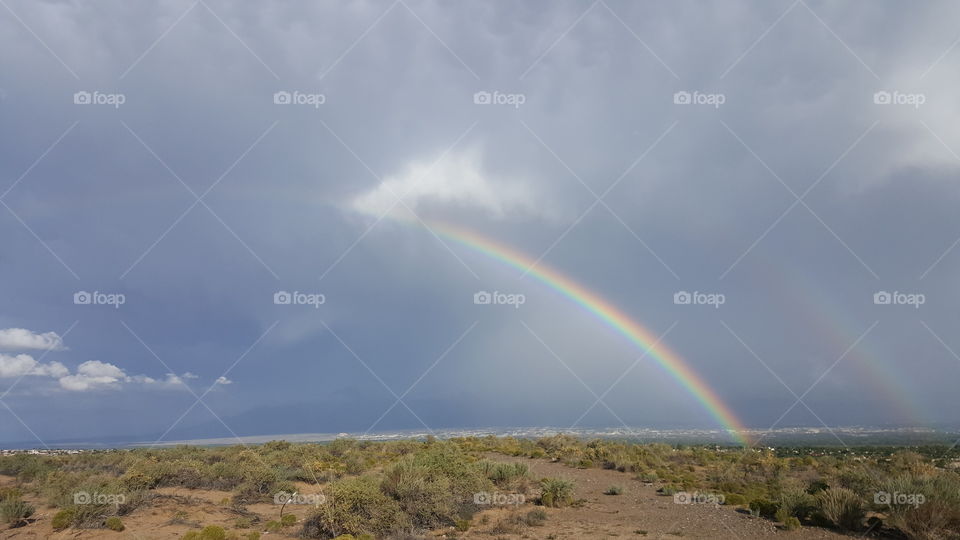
{"type": "Point", "coordinates": [638, 512]}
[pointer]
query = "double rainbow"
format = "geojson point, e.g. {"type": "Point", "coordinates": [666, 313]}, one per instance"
{"type": "Point", "coordinates": [609, 314]}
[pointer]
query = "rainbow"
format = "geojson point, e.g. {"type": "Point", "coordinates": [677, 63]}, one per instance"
{"type": "Point", "coordinates": [609, 314]}
{"type": "Point", "coordinates": [833, 324]}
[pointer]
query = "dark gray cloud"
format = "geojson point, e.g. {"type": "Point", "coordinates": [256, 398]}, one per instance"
{"type": "Point", "coordinates": [695, 197]}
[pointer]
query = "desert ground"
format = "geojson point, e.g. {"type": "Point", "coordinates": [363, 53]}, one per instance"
{"type": "Point", "coordinates": [639, 512]}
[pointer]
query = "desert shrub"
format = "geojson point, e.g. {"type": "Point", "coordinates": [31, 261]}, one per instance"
{"type": "Point", "coordinates": [936, 510]}
{"type": "Point", "coordinates": [253, 535]}
{"type": "Point", "coordinates": [504, 474]}
{"type": "Point", "coordinates": [462, 525]}
{"type": "Point", "coordinates": [288, 520]}
{"type": "Point", "coordinates": [535, 517]}
{"type": "Point", "coordinates": [556, 492]}
{"type": "Point", "coordinates": [356, 506]}
{"type": "Point", "coordinates": [796, 502]}
{"type": "Point", "coordinates": [90, 516]}
{"type": "Point", "coordinates": [734, 499]}
{"type": "Point", "coordinates": [243, 523]}
{"type": "Point", "coordinates": [63, 519]}
{"type": "Point", "coordinates": [423, 496]}
{"type": "Point", "coordinates": [10, 492]}
{"type": "Point", "coordinates": [212, 532]}
{"type": "Point", "coordinates": [764, 507]}
{"type": "Point", "coordinates": [647, 476]}
{"type": "Point", "coordinates": [669, 490]}
{"type": "Point", "coordinates": [791, 523]}
{"type": "Point", "coordinates": [273, 526]}
{"type": "Point", "coordinates": [114, 524]}
{"type": "Point", "coordinates": [15, 511]}
{"type": "Point", "coordinates": [817, 486]}
{"type": "Point", "coordinates": [613, 490]}
{"type": "Point", "coordinates": [841, 507]}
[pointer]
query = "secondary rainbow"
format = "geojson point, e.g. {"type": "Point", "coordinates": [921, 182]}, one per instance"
{"type": "Point", "coordinates": [609, 314]}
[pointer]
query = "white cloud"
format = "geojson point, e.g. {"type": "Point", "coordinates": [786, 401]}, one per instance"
{"type": "Point", "coordinates": [97, 375]}
{"type": "Point", "coordinates": [92, 375]}
{"type": "Point", "coordinates": [458, 181]}
{"type": "Point", "coordinates": [23, 364]}
{"type": "Point", "coordinates": [21, 338]}
{"type": "Point", "coordinates": [223, 380]}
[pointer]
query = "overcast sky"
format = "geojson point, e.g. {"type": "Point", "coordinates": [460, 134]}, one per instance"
{"type": "Point", "coordinates": [167, 169]}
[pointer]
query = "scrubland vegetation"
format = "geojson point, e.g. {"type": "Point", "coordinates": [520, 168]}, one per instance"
{"type": "Point", "coordinates": [404, 489]}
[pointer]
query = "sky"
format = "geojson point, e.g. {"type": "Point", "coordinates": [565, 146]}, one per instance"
{"type": "Point", "coordinates": [228, 218]}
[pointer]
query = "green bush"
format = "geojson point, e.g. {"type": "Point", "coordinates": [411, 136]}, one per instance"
{"type": "Point", "coordinates": [936, 509]}
{"type": "Point", "coordinates": [734, 499]}
{"type": "Point", "coordinates": [763, 507]}
{"type": "Point", "coordinates": [288, 520]}
{"type": "Point", "coordinates": [273, 526]}
{"type": "Point", "coordinates": [794, 501]}
{"type": "Point", "coordinates": [535, 517]}
{"type": "Point", "coordinates": [15, 511]}
{"type": "Point", "coordinates": [212, 532]}
{"type": "Point", "coordinates": [356, 506]}
{"type": "Point", "coordinates": [504, 474]}
{"type": "Point", "coordinates": [556, 492]}
{"type": "Point", "coordinates": [613, 490]}
{"type": "Point", "coordinates": [841, 507]}
{"type": "Point", "coordinates": [422, 494]}
{"type": "Point", "coordinates": [63, 519]}
{"type": "Point", "coordinates": [114, 524]}
{"type": "Point", "coordinates": [791, 523]}
{"type": "Point", "coordinates": [10, 493]}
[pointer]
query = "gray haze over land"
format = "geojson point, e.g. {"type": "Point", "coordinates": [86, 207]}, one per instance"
{"type": "Point", "coordinates": [189, 162]}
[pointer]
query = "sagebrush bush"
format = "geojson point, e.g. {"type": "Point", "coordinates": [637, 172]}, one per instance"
{"type": "Point", "coordinates": [63, 519]}
{"type": "Point", "coordinates": [423, 495]}
{"type": "Point", "coordinates": [15, 511]}
{"type": "Point", "coordinates": [794, 501]}
{"type": "Point", "coordinates": [356, 506]}
{"type": "Point", "coordinates": [556, 492]}
{"type": "Point", "coordinates": [114, 524]}
{"type": "Point", "coordinates": [535, 517]}
{"type": "Point", "coordinates": [936, 515]}
{"type": "Point", "coordinates": [842, 507]}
